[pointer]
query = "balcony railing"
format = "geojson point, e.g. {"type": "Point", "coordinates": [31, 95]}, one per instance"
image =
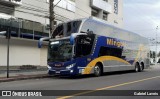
{"type": "Point", "coordinates": [12, 2]}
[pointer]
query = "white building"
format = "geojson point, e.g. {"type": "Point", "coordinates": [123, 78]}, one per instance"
{"type": "Point", "coordinates": [29, 21]}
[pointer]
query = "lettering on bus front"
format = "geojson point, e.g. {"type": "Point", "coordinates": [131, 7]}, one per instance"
{"type": "Point", "coordinates": [113, 42]}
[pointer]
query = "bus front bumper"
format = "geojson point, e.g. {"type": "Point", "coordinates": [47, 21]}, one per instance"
{"type": "Point", "coordinates": [60, 72]}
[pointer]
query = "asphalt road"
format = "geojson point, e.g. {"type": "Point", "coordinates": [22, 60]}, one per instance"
{"type": "Point", "coordinates": [149, 79]}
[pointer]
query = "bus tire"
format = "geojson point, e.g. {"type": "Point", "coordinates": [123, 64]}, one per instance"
{"type": "Point", "coordinates": [142, 66]}
{"type": "Point", "coordinates": [137, 68]}
{"type": "Point", "coordinates": [97, 70]}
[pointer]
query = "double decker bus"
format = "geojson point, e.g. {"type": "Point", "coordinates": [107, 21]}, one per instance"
{"type": "Point", "coordinates": [90, 46]}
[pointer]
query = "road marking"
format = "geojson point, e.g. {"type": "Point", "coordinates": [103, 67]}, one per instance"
{"type": "Point", "coordinates": [109, 87]}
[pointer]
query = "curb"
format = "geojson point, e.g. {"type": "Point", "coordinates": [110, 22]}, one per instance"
{"type": "Point", "coordinates": [25, 77]}
{"type": "Point", "coordinates": [24, 67]}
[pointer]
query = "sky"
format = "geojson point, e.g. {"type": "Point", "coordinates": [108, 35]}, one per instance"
{"type": "Point", "coordinates": [143, 17]}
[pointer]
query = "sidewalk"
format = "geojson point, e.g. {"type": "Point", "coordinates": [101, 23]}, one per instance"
{"type": "Point", "coordinates": [155, 66]}
{"type": "Point", "coordinates": [22, 74]}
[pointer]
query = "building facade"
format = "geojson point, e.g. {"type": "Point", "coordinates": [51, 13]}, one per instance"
{"type": "Point", "coordinates": [29, 21]}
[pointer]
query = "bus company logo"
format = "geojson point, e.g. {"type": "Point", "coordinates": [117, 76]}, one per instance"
{"type": "Point", "coordinates": [6, 93]}
{"type": "Point", "coordinates": [58, 65]}
{"type": "Point", "coordinates": [115, 43]}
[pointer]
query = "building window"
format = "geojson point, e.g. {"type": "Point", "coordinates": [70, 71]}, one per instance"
{"type": "Point", "coordinates": [105, 0]}
{"type": "Point", "coordinates": [115, 21]}
{"type": "Point", "coordinates": [72, 0]}
{"type": "Point", "coordinates": [105, 16]}
{"type": "Point", "coordinates": [94, 12]}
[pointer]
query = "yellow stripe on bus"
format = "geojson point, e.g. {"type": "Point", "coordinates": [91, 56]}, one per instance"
{"type": "Point", "coordinates": [91, 65]}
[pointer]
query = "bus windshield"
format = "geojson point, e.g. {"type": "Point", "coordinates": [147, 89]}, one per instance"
{"type": "Point", "coordinates": [59, 51]}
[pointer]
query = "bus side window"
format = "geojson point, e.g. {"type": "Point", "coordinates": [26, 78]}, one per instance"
{"type": "Point", "coordinates": [106, 51]}
{"type": "Point", "coordinates": [58, 31]}
{"type": "Point", "coordinates": [84, 45]}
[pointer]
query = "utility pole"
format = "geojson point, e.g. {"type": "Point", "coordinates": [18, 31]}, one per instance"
{"type": "Point", "coordinates": [8, 45]}
{"type": "Point", "coordinates": [8, 36]}
{"type": "Point", "coordinates": [156, 43]}
{"type": "Point", "coordinates": [52, 18]}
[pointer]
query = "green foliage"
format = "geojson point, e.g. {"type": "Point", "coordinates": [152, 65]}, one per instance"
{"type": "Point", "coordinates": [152, 54]}
{"type": "Point", "coordinates": [158, 54]}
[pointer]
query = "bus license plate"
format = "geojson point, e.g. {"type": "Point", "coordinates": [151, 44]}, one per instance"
{"type": "Point", "coordinates": [57, 72]}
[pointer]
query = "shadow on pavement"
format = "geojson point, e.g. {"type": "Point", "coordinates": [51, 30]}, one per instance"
{"type": "Point", "coordinates": [91, 75]}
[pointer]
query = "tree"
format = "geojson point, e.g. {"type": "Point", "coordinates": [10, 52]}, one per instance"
{"type": "Point", "coordinates": [152, 54]}
{"type": "Point", "coordinates": [158, 60]}
{"type": "Point", "coordinates": [158, 55]}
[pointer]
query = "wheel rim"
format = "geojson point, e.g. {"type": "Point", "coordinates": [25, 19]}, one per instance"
{"type": "Point", "coordinates": [141, 68]}
{"type": "Point", "coordinates": [97, 70]}
{"type": "Point", "coordinates": [136, 68]}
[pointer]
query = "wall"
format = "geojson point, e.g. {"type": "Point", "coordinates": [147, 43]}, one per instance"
{"type": "Point", "coordinates": [22, 52]}
{"type": "Point", "coordinates": [34, 10]}
{"type": "Point", "coordinates": [83, 9]}
{"type": "Point", "coordinates": [116, 17]}
{"type": "Point", "coordinates": [38, 11]}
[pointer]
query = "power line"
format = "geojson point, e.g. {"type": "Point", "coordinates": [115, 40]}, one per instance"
{"type": "Point", "coordinates": [32, 13]}
{"type": "Point", "coordinates": [42, 1]}
{"type": "Point", "coordinates": [36, 6]}
{"type": "Point", "coordinates": [44, 16]}
{"type": "Point", "coordinates": [38, 10]}
{"type": "Point", "coordinates": [57, 4]}
{"type": "Point", "coordinates": [43, 10]}
{"type": "Point", "coordinates": [33, 9]}
{"type": "Point", "coordinates": [80, 9]}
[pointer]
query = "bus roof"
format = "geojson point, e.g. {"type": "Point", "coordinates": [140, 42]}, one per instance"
{"type": "Point", "coordinates": [104, 23]}
{"type": "Point", "coordinates": [116, 29]}
{"type": "Point", "coordinates": [100, 21]}
{"type": "Point", "coordinates": [108, 24]}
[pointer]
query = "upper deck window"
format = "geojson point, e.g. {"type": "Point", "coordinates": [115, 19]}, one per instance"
{"type": "Point", "coordinates": [66, 29]}
{"type": "Point", "coordinates": [72, 27]}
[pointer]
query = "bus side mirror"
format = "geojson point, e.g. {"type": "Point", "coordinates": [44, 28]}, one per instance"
{"type": "Point", "coordinates": [41, 40]}
{"type": "Point", "coordinates": [72, 39]}
{"type": "Point", "coordinates": [90, 32]}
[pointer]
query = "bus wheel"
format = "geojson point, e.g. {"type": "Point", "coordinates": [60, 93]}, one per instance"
{"type": "Point", "coordinates": [142, 66]}
{"type": "Point", "coordinates": [97, 70]}
{"type": "Point", "coordinates": [137, 68]}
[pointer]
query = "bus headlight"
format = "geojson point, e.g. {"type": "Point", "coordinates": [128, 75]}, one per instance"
{"type": "Point", "coordinates": [49, 67]}
{"type": "Point", "coordinates": [70, 66]}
